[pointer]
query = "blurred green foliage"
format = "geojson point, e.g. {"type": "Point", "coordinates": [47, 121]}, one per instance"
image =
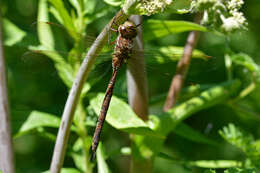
{"type": "Point", "coordinates": [43, 59]}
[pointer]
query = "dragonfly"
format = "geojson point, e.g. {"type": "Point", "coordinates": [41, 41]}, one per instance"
{"type": "Point", "coordinates": [123, 48]}
{"type": "Point", "coordinates": [122, 52]}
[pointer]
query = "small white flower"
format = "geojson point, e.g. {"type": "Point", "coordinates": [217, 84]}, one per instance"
{"type": "Point", "coordinates": [230, 24]}
{"type": "Point", "coordinates": [153, 6]}
{"type": "Point", "coordinates": [240, 17]}
{"type": "Point", "coordinates": [235, 4]}
{"type": "Point", "coordinates": [236, 21]}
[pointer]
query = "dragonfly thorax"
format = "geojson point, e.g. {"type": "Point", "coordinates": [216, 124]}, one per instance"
{"type": "Point", "coordinates": [128, 30]}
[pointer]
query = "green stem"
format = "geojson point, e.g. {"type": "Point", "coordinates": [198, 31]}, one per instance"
{"type": "Point", "coordinates": [80, 124]}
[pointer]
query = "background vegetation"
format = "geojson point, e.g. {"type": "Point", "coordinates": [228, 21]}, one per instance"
{"type": "Point", "coordinates": [214, 125]}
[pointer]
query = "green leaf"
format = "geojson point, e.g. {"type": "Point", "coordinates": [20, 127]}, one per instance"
{"type": "Point", "coordinates": [76, 4]}
{"type": "Point", "coordinates": [78, 155]}
{"type": "Point", "coordinates": [145, 147]}
{"type": "Point", "coordinates": [248, 62]}
{"type": "Point", "coordinates": [56, 14]}
{"type": "Point", "coordinates": [154, 29]}
{"type": "Point", "coordinates": [236, 136]}
{"type": "Point", "coordinates": [179, 7]}
{"type": "Point", "coordinates": [64, 69]}
{"type": "Point", "coordinates": [90, 6]}
{"type": "Point", "coordinates": [206, 99]}
{"type": "Point", "coordinates": [243, 141]}
{"type": "Point", "coordinates": [44, 32]}
{"type": "Point", "coordinates": [114, 2]}
{"type": "Point", "coordinates": [78, 160]}
{"type": "Point", "coordinates": [66, 170]}
{"type": "Point", "coordinates": [121, 116]}
{"type": "Point", "coordinates": [187, 132]}
{"type": "Point", "coordinates": [102, 165]}
{"type": "Point", "coordinates": [210, 171]}
{"type": "Point", "coordinates": [216, 163]}
{"type": "Point", "coordinates": [38, 119]}
{"type": "Point", "coordinates": [12, 34]}
{"type": "Point", "coordinates": [240, 170]}
{"type": "Point", "coordinates": [174, 53]}
{"type": "Point", "coordinates": [45, 134]}
{"type": "Point", "coordinates": [67, 20]}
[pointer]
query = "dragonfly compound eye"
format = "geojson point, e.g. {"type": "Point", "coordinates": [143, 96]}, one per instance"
{"type": "Point", "coordinates": [128, 30]}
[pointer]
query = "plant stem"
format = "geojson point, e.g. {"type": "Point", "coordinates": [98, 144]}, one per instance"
{"type": "Point", "coordinates": [79, 121]}
{"type": "Point", "coordinates": [182, 68]}
{"type": "Point", "coordinates": [138, 90]}
{"type": "Point", "coordinates": [6, 147]}
{"type": "Point", "coordinates": [136, 76]}
{"type": "Point", "coordinates": [71, 103]}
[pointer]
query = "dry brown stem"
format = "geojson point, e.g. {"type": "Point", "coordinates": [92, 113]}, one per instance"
{"type": "Point", "coordinates": [6, 147]}
{"type": "Point", "coordinates": [182, 68]}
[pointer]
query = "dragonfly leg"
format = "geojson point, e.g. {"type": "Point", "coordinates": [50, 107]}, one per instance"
{"type": "Point", "coordinates": [111, 29]}
{"type": "Point", "coordinates": [139, 24]}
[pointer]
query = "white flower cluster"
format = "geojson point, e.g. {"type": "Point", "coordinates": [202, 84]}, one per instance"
{"type": "Point", "coordinates": [154, 6]}
{"type": "Point", "coordinates": [222, 14]}
{"type": "Point", "coordinates": [235, 4]}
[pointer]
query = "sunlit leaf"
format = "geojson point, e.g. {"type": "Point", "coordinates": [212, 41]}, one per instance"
{"type": "Point", "coordinates": [78, 154]}
{"type": "Point", "coordinates": [67, 20]}
{"type": "Point", "coordinates": [121, 116]}
{"type": "Point", "coordinates": [12, 34]}
{"type": "Point", "coordinates": [248, 62]}
{"type": "Point", "coordinates": [102, 165]}
{"type": "Point", "coordinates": [39, 119]}
{"type": "Point", "coordinates": [76, 4]}
{"type": "Point", "coordinates": [90, 6]}
{"type": "Point", "coordinates": [235, 170]}
{"type": "Point", "coordinates": [44, 32]}
{"type": "Point", "coordinates": [146, 147]}
{"type": "Point", "coordinates": [154, 29]}
{"type": "Point", "coordinates": [56, 14]}
{"type": "Point", "coordinates": [66, 170]}
{"type": "Point", "coordinates": [114, 2]}
{"type": "Point", "coordinates": [168, 54]}
{"type": "Point", "coordinates": [216, 163]}
{"type": "Point", "coordinates": [240, 170]}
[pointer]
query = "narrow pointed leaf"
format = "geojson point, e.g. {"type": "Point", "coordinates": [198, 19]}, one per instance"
{"type": "Point", "coordinates": [154, 29]}
{"type": "Point", "coordinates": [38, 119]}
{"type": "Point", "coordinates": [12, 34]}
{"type": "Point", "coordinates": [191, 134]}
{"type": "Point", "coordinates": [66, 170]}
{"type": "Point", "coordinates": [102, 165]}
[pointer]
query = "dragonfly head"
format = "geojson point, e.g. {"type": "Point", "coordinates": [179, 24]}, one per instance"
{"type": "Point", "coordinates": [128, 30]}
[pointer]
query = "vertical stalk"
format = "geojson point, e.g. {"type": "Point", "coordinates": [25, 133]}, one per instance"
{"type": "Point", "coordinates": [6, 147]}
{"type": "Point", "coordinates": [81, 130]}
{"type": "Point", "coordinates": [138, 90]}
{"type": "Point", "coordinates": [182, 68]}
{"type": "Point", "coordinates": [136, 75]}
{"type": "Point", "coordinates": [73, 98]}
